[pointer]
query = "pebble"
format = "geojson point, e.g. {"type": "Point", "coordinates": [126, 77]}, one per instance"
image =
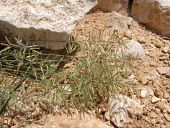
{"type": "Point", "coordinates": [155, 99]}
{"type": "Point", "coordinates": [167, 75]}
{"type": "Point", "coordinates": [167, 117]}
{"type": "Point", "coordinates": [144, 81]}
{"type": "Point", "coordinates": [157, 43]}
{"type": "Point", "coordinates": [158, 93]}
{"type": "Point", "coordinates": [163, 106]}
{"type": "Point", "coordinates": [153, 63]}
{"type": "Point", "coordinates": [165, 49]}
{"type": "Point", "coordinates": [166, 95]}
{"type": "Point", "coordinates": [157, 110]}
{"type": "Point", "coordinates": [143, 93]}
{"type": "Point", "coordinates": [153, 121]}
{"type": "Point", "coordinates": [142, 40]}
{"type": "Point", "coordinates": [163, 70]}
{"type": "Point", "coordinates": [153, 114]}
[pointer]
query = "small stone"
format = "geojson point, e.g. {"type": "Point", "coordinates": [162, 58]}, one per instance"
{"type": "Point", "coordinates": [167, 107]}
{"type": "Point", "coordinates": [157, 43]}
{"type": "Point", "coordinates": [133, 49]}
{"type": "Point", "coordinates": [143, 93]}
{"type": "Point", "coordinates": [164, 111]}
{"type": "Point", "coordinates": [153, 121]}
{"type": "Point", "coordinates": [165, 49]}
{"type": "Point", "coordinates": [157, 110]}
{"type": "Point", "coordinates": [167, 75]}
{"type": "Point", "coordinates": [166, 95]}
{"type": "Point", "coordinates": [153, 63]}
{"type": "Point", "coordinates": [155, 99]}
{"type": "Point", "coordinates": [107, 116]}
{"type": "Point", "coordinates": [150, 92]}
{"type": "Point", "coordinates": [167, 117]}
{"type": "Point", "coordinates": [153, 114]}
{"type": "Point", "coordinates": [142, 40]}
{"type": "Point", "coordinates": [161, 105]}
{"type": "Point", "coordinates": [158, 93]}
{"type": "Point", "coordinates": [144, 81]}
{"type": "Point", "coordinates": [128, 35]}
{"type": "Point", "coordinates": [163, 70]}
{"type": "Point", "coordinates": [162, 57]}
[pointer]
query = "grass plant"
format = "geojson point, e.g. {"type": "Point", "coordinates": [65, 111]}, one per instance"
{"type": "Point", "coordinates": [44, 88]}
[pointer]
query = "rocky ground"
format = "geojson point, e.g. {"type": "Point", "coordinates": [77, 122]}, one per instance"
{"type": "Point", "coordinates": [153, 75]}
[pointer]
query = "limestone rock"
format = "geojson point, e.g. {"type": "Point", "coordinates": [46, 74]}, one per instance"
{"type": "Point", "coordinates": [111, 5]}
{"type": "Point", "coordinates": [143, 93]}
{"type": "Point", "coordinates": [167, 117]}
{"type": "Point", "coordinates": [152, 114]}
{"type": "Point", "coordinates": [120, 22]}
{"type": "Point", "coordinates": [75, 121]}
{"type": "Point", "coordinates": [155, 99]}
{"type": "Point", "coordinates": [120, 106]}
{"type": "Point", "coordinates": [163, 106]}
{"type": "Point", "coordinates": [154, 13]}
{"type": "Point", "coordinates": [135, 49]}
{"type": "Point", "coordinates": [48, 23]}
{"type": "Point", "coordinates": [163, 70]}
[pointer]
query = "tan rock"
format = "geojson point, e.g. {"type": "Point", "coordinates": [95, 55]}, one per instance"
{"type": "Point", "coordinates": [70, 122]}
{"type": "Point", "coordinates": [166, 95]}
{"type": "Point", "coordinates": [158, 93]}
{"type": "Point", "coordinates": [142, 40]}
{"type": "Point", "coordinates": [163, 70]}
{"type": "Point", "coordinates": [153, 121]}
{"type": "Point", "coordinates": [154, 13]}
{"type": "Point", "coordinates": [111, 5]}
{"type": "Point", "coordinates": [165, 49]}
{"type": "Point", "coordinates": [163, 106]}
{"type": "Point", "coordinates": [120, 22]}
{"type": "Point", "coordinates": [167, 117]}
{"type": "Point", "coordinates": [153, 114]}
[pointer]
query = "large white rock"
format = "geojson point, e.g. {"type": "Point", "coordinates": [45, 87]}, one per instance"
{"type": "Point", "coordinates": [48, 23]}
{"type": "Point", "coordinates": [154, 13]}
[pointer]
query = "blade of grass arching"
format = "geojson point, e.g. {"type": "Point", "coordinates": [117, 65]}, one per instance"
{"type": "Point", "coordinates": [2, 109]}
{"type": "Point", "coordinates": [5, 49]}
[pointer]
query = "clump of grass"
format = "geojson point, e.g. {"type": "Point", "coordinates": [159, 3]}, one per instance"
{"type": "Point", "coordinates": [98, 72]}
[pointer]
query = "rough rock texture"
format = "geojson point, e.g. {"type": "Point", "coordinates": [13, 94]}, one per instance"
{"type": "Point", "coordinates": [154, 13]}
{"type": "Point", "coordinates": [120, 107]}
{"type": "Point", "coordinates": [135, 49]}
{"type": "Point", "coordinates": [71, 122]}
{"type": "Point", "coordinates": [48, 23]}
{"type": "Point", "coordinates": [111, 5]}
{"type": "Point", "coordinates": [132, 49]}
{"type": "Point", "coordinates": [120, 22]}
